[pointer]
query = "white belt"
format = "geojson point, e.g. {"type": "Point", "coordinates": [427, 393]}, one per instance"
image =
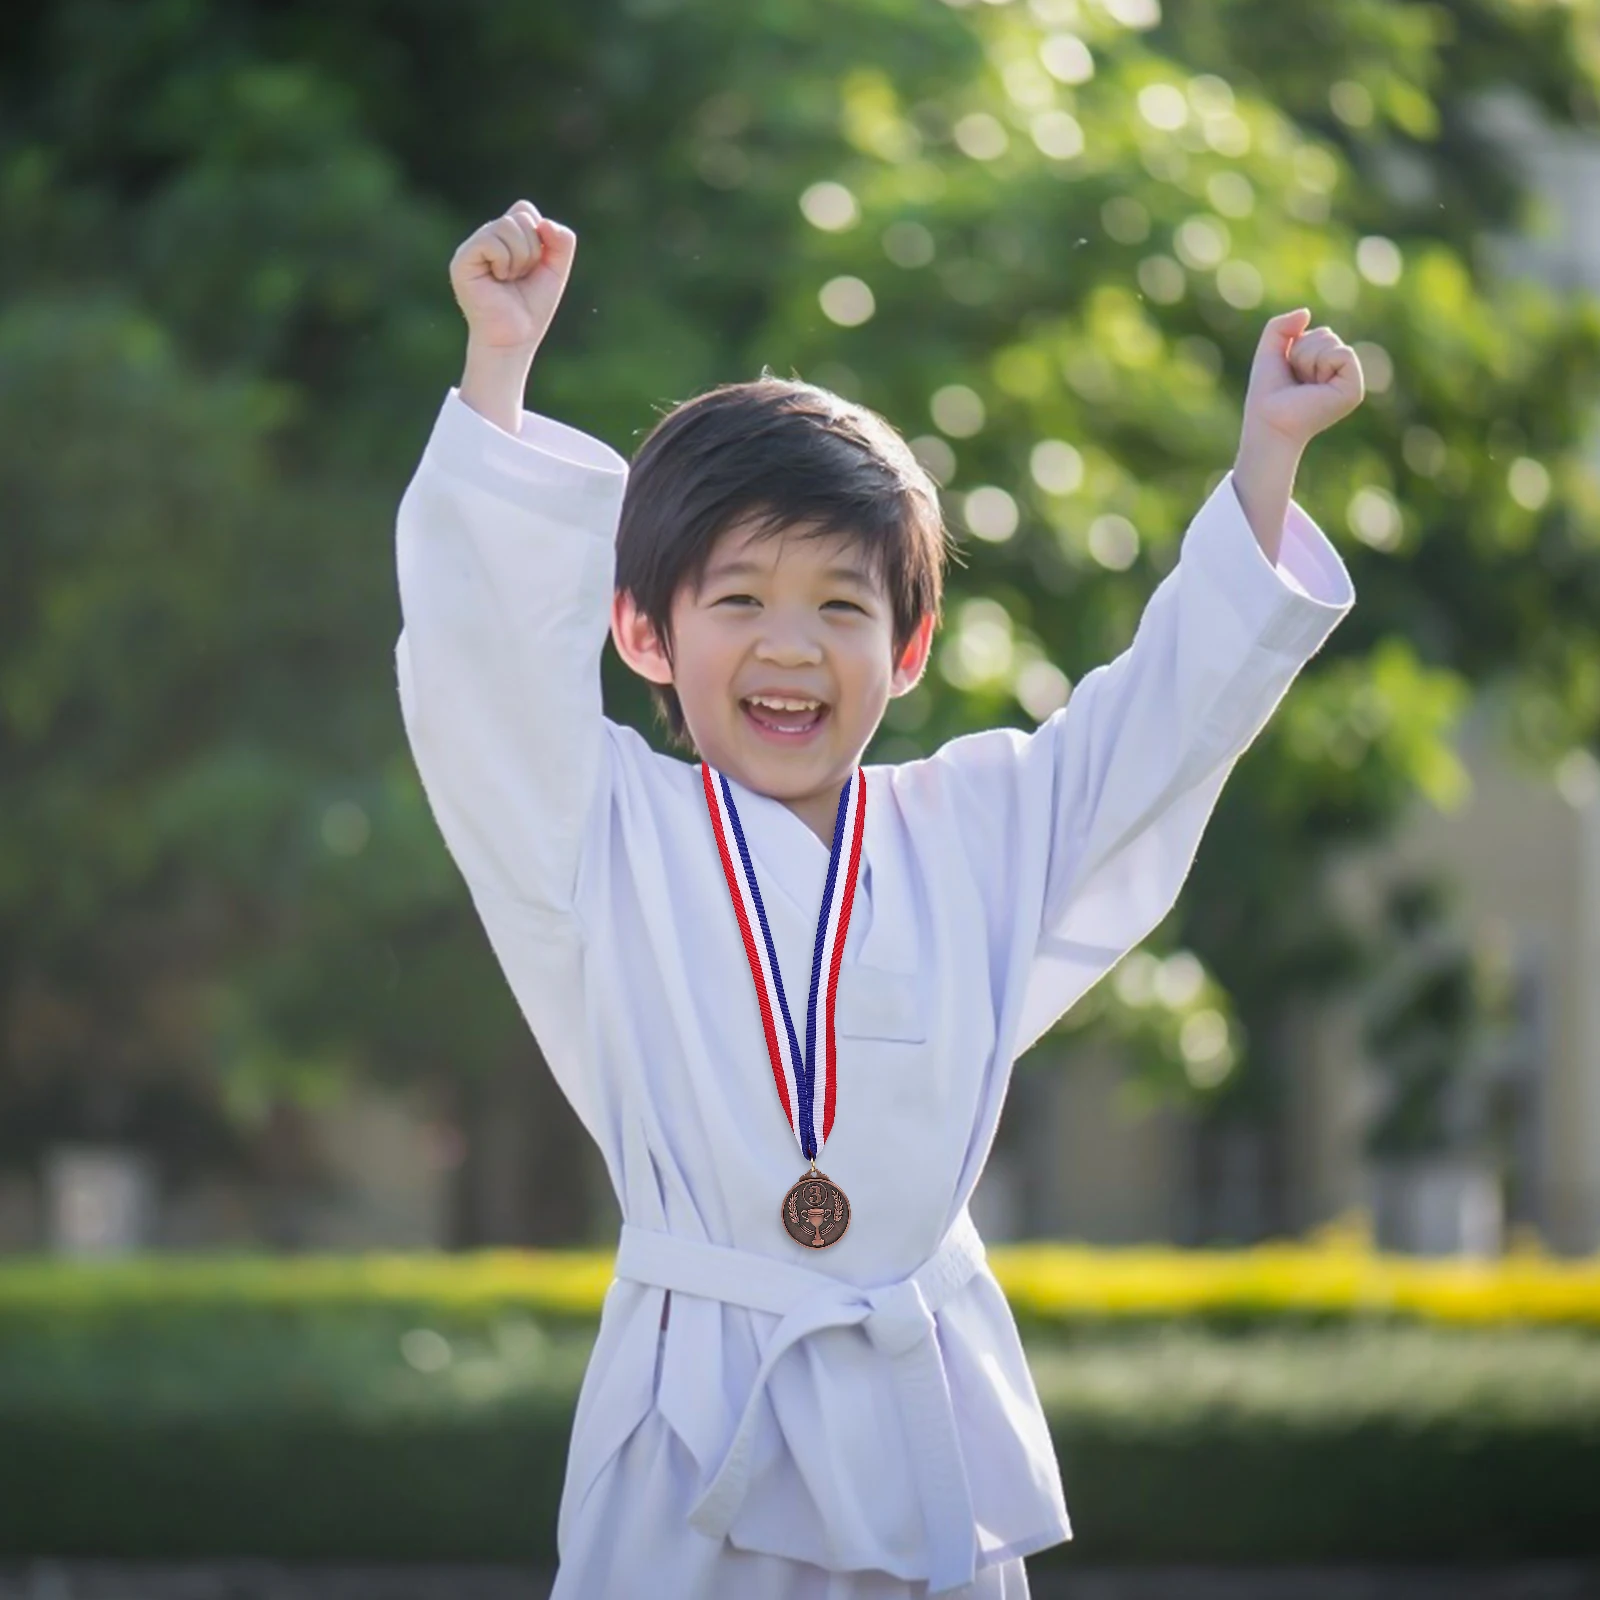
{"type": "Point", "coordinates": [898, 1319]}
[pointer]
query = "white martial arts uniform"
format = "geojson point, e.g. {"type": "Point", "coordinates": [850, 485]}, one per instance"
{"type": "Point", "coordinates": [859, 1421]}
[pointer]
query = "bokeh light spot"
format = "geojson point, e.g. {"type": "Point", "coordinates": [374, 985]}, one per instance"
{"type": "Point", "coordinates": [1378, 260]}
{"type": "Point", "coordinates": [957, 410]}
{"type": "Point", "coordinates": [1066, 58]}
{"type": "Point", "coordinates": [991, 513]}
{"type": "Point", "coordinates": [1113, 541]}
{"type": "Point", "coordinates": [1163, 106]}
{"type": "Point", "coordinates": [1375, 518]}
{"type": "Point", "coordinates": [1529, 483]}
{"type": "Point", "coordinates": [1056, 466]}
{"type": "Point", "coordinates": [908, 244]}
{"type": "Point", "coordinates": [981, 136]}
{"type": "Point", "coordinates": [847, 301]}
{"type": "Point", "coordinates": [830, 206]}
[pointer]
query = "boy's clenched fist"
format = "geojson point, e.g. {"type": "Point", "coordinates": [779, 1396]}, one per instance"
{"type": "Point", "coordinates": [1301, 381]}
{"type": "Point", "coordinates": [508, 277]}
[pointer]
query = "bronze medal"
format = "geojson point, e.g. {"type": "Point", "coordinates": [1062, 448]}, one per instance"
{"type": "Point", "coordinates": [815, 1211]}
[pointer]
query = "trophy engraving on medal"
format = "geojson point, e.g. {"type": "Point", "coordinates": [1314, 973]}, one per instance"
{"type": "Point", "coordinates": [816, 1212]}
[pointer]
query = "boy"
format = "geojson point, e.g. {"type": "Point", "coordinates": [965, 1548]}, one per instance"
{"type": "Point", "coordinates": [806, 1381]}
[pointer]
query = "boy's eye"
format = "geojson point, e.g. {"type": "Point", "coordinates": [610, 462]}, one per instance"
{"type": "Point", "coordinates": [750, 599]}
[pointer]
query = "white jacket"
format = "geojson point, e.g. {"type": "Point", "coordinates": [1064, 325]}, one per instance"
{"type": "Point", "coordinates": [1002, 877]}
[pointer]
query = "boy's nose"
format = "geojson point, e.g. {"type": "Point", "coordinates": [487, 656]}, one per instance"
{"type": "Point", "coordinates": [790, 645]}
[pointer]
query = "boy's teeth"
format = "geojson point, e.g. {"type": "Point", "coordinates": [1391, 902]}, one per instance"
{"type": "Point", "coordinates": [783, 714]}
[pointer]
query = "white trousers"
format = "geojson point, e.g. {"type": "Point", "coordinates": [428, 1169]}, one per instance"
{"type": "Point", "coordinates": [633, 1539]}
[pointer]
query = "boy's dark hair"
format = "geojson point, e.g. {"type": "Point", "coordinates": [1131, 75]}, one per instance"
{"type": "Point", "coordinates": [775, 453]}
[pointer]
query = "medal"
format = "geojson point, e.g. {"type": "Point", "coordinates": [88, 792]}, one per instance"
{"type": "Point", "coordinates": [815, 1211]}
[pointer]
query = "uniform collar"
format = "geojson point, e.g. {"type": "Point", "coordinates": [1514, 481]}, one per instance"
{"type": "Point", "coordinates": [792, 862]}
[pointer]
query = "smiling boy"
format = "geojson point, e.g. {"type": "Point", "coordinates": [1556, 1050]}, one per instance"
{"type": "Point", "coordinates": [779, 565]}
{"type": "Point", "coordinates": [806, 1382]}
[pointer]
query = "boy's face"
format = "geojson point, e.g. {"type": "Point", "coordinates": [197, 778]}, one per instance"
{"type": "Point", "coordinates": [790, 619]}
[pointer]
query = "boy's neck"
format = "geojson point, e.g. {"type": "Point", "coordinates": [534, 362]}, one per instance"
{"type": "Point", "coordinates": [819, 813]}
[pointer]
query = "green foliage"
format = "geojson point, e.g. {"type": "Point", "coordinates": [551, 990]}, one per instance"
{"type": "Point", "coordinates": [228, 324]}
{"type": "Point", "coordinates": [371, 1435]}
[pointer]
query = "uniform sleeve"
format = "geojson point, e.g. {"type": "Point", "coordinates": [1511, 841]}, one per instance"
{"type": "Point", "coordinates": [505, 549]}
{"type": "Point", "coordinates": [1085, 829]}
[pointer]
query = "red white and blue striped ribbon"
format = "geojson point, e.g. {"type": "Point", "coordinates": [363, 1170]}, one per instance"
{"type": "Point", "coordinates": [807, 1079]}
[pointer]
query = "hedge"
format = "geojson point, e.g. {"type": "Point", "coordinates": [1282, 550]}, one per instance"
{"type": "Point", "coordinates": [299, 1411]}
{"type": "Point", "coordinates": [1048, 1285]}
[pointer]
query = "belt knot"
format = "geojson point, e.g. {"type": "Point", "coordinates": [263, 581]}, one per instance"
{"type": "Point", "coordinates": [900, 1318]}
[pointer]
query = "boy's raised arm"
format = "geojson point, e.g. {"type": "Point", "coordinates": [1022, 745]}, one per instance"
{"type": "Point", "coordinates": [1095, 817]}
{"type": "Point", "coordinates": [505, 556]}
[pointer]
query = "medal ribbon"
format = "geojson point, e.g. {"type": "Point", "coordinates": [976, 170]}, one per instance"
{"type": "Point", "coordinates": [806, 1079]}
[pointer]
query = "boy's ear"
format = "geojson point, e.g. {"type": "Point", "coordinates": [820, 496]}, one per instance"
{"type": "Point", "coordinates": [913, 659]}
{"type": "Point", "coordinates": [636, 640]}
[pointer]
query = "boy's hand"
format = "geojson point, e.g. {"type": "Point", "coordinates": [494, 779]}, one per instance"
{"type": "Point", "coordinates": [1301, 382]}
{"type": "Point", "coordinates": [508, 278]}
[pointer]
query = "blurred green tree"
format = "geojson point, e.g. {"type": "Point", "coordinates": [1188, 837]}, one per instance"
{"type": "Point", "coordinates": [1040, 237]}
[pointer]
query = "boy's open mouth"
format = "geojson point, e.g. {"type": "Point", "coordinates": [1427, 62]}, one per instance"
{"type": "Point", "coordinates": [783, 716]}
